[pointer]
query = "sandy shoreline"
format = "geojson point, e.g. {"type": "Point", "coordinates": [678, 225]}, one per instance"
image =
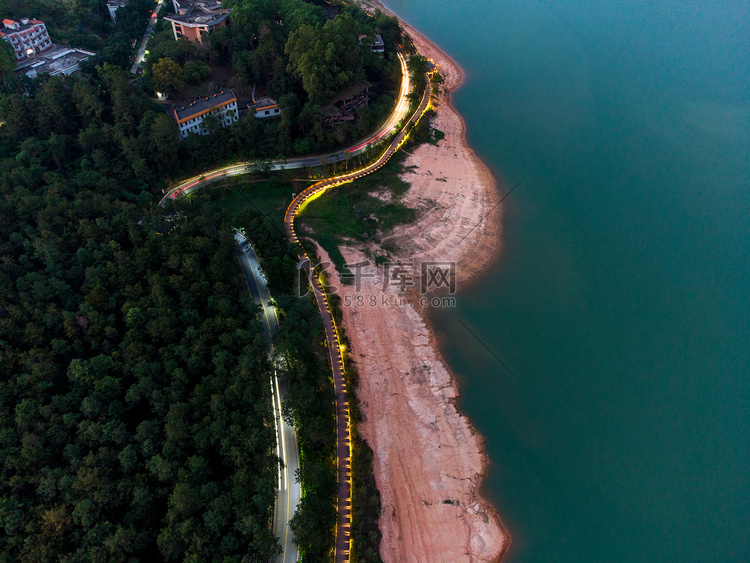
{"type": "Point", "coordinates": [429, 460]}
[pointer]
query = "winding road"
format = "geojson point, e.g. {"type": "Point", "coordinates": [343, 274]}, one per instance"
{"type": "Point", "coordinates": [399, 113]}
{"type": "Point", "coordinates": [343, 436]}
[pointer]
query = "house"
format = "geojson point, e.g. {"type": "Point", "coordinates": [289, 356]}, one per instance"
{"type": "Point", "coordinates": [342, 109]}
{"type": "Point", "coordinates": [57, 60]}
{"type": "Point", "coordinates": [265, 107]}
{"type": "Point", "coordinates": [222, 105]}
{"type": "Point", "coordinates": [194, 20]}
{"type": "Point", "coordinates": [377, 45]}
{"type": "Point", "coordinates": [27, 37]}
{"type": "Point", "coordinates": [113, 5]}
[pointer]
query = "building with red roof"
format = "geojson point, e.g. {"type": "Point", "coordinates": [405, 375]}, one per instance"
{"type": "Point", "coordinates": [27, 37]}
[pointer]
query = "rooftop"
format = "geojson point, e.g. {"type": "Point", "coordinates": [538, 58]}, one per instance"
{"type": "Point", "coordinates": [184, 5]}
{"type": "Point", "coordinates": [377, 41]}
{"type": "Point", "coordinates": [199, 15]}
{"type": "Point", "coordinates": [201, 106]}
{"type": "Point", "coordinates": [56, 60]}
{"type": "Point", "coordinates": [353, 90]}
{"type": "Point", "coordinates": [264, 102]}
{"type": "Point", "coordinates": [13, 26]}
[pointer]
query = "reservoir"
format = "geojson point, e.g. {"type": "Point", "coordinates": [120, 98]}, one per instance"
{"type": "Point", "coordinates": [620, 301]}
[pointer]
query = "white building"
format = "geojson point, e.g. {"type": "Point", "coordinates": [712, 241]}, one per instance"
{"type": "Point", "coordinates": [265, 107]}
{"type": "Point", "coordinates": [27, 37]}
{"type": "Point", "coordinates": [58, 60]}
{"type": "Point", "coordinates": [378, 46]}
{"type": "Point", "coordinates": [222, 105]}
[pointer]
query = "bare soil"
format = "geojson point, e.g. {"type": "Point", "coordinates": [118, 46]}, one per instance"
{"type": "Point", "coordinates": [429, 461]}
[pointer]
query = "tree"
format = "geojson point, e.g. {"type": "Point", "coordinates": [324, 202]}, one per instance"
{"type": "Point", "coordinates": [129, 351]}
{"type": "Point", "coordinates": [165, 140]}
{"type": "Point", "coordinates": [195, 72]}
{"type": "Point", "coordinates": [389, 30]}
{"type": "Point", "coordinates": [89, 106]}
{"type": "Point", "coordinates": [7, 59]}
{"type": "Point", "coordinates": [132, 19]}
{"type": "Point", "coordinates": [326, 58]}
{"type": "Point", "coordinates": [117, 51]}
{"type": "Point", "coordinates": [210, 123]}
{"type": "Point", "coordinates": [247, 65]}
{"type": "Point", "coordinates": [55, 102]}
{"type": "Point", "coordinates": [167, 75]}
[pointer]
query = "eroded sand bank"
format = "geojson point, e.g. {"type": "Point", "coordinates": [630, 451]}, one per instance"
{"type": "Point", "coordinates": [429, 460]}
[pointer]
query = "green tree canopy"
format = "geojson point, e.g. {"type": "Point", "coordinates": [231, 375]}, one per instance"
{"type": "Point", "coordinates": [327, 58]}
{"type": "Point", "coordinates": [7, 59]}
{"type": "Point", "coordinates": [168, 75]}
{"type": "Point", "coordinates": [195, 72]}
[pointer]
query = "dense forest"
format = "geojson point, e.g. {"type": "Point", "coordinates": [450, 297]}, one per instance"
{"type": "Point", "coordinates": [135, 417]}
{"type": "Point", "coordinates": [299, 53]}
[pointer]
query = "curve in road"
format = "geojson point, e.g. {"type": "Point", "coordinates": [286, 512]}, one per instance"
{"type": "Point", "coordinates": [343, 435]}
{"type": "Point", "coordinates": [400, 111]}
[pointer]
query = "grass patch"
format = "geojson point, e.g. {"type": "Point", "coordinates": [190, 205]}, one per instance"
{"type": "Point", "coordinates": [330, 245]}
{"type": "Point", "coordinates": [269, 197]}
{"type": "Point", "coordinates": [352, 213]}
{"type": "Point", "coordinates": [436, 135]}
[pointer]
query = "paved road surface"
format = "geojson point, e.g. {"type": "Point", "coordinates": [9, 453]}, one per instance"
{"type": "Point", "coordinates": [289, 490]}
{"type": "Point", "coordinates": [343, 437]}
{"type": "Point", "coordinates": [141, 54]}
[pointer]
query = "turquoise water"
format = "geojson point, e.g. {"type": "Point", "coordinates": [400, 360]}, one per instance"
{"type": "Point", "coordinates": [621, 300]}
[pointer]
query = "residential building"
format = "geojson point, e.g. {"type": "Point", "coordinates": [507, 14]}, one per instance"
{"type": "Point", "coordinates": [376, 45]}
{"type": "Point", "coordinates": [222, 105]}
{"type": "Point", "coordinates": [114, 5]}
{"type": "Point", "coordinates": [343, 108]}
{"type": "Point", "coordinates": [195, 20]}
{"type": "Point", "coordinates": [27, 37]}
{"type": "Point", "coordinates": [57, 60]}
{"type": "Point", "coordinates": [265, 107]}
